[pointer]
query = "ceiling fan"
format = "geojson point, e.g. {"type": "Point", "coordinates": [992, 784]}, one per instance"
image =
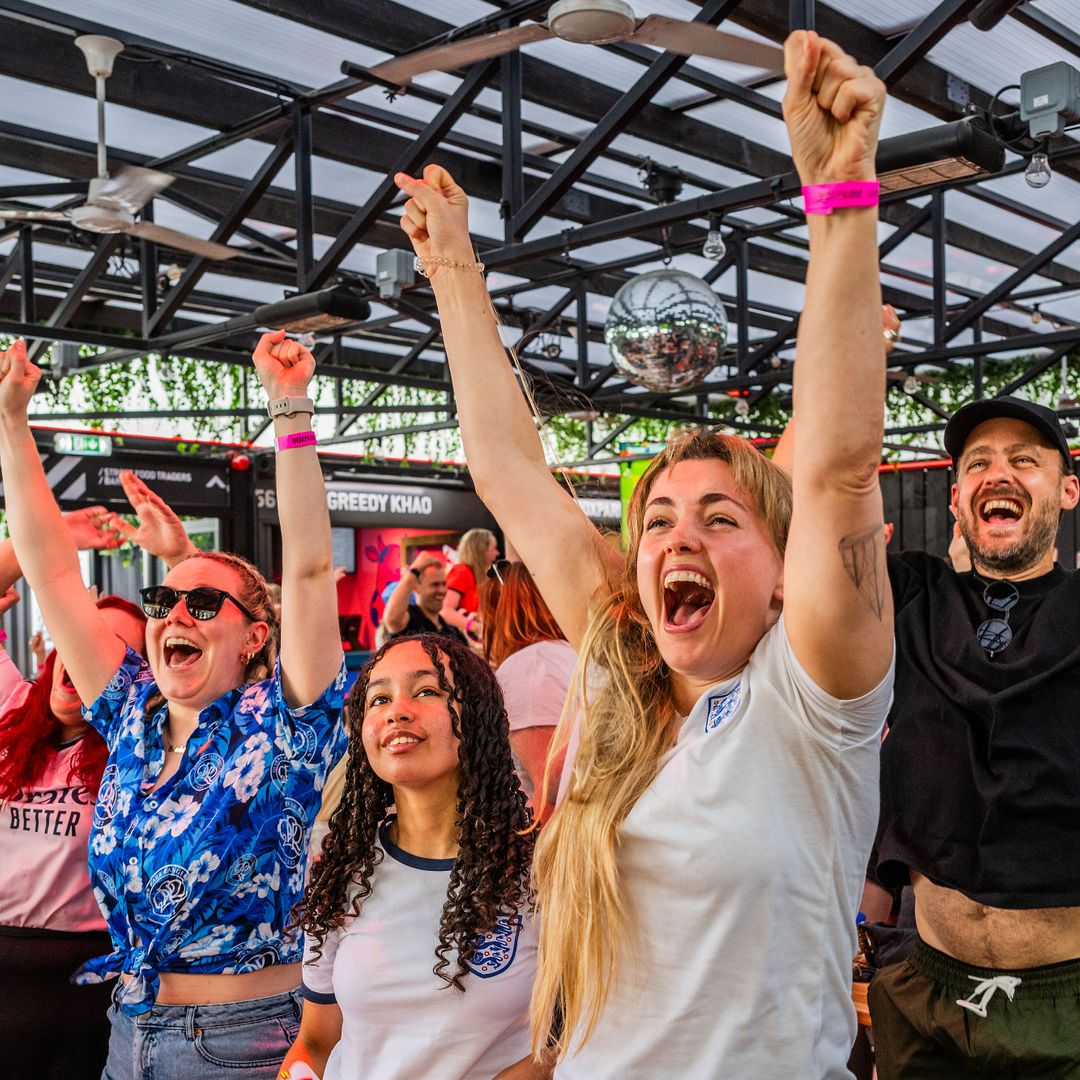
{"type": "Point", "coordinates": [587, 22]}
{"type": "Point", "coordinates": [113, 201]}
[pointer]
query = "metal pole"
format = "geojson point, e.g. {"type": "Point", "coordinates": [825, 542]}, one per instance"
{"type": "Point", "coordinates": [102, 163]}
{"type": "Point", "coordinates": [27, 313]}
{"type": "Point", "coordinates": [938, 238]}
{"type": "Point", "coordinates": [801, 15]}
{"type": "Point", "coordinates": [513, 178]}
{"type": "Point", "coordinates": [305, 211]}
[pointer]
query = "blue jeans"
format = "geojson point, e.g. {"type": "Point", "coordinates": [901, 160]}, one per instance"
{"type": "Point", "coordinates": [201, 1042]}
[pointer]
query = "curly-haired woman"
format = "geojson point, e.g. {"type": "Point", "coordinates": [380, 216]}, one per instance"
{"type": "Point", "coordinates": [199, 844]}
{"type": "Point", "coordinates": [699, 882]}
{"type": "Point", "coordinates": [420, 947]}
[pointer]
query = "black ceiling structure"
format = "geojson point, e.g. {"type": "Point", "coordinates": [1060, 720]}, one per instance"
{"type": "Point", "coordinates": [573, 225]}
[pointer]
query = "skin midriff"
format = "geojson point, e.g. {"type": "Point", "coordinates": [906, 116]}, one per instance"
{"type": "Point", "coordinates": [992, 937]}
{"type": "Point", "coordinates": [178, 988]}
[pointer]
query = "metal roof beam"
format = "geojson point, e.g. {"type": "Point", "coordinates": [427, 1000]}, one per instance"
{"type": "Point", "coordinates": [242, 205]}
{"type": "Point", "coordinates": [614, 121]}
{"type": "Point", "coordinates": [1033, 265]}
{"type": "Point", "coordinates": [917, 42]}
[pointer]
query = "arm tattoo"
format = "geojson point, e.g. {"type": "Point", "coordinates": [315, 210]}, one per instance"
{"type": "Point", "coordinates": [863, 556]}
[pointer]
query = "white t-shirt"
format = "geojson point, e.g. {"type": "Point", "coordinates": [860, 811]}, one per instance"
{"type": "Point", "coordinates": [535, 681]}
{"type": "Point", "coordinates": [402, 1022]}
{"type": "Point", "coordinates": [742, 867]}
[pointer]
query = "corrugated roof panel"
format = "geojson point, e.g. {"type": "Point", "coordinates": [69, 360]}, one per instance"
{"type": "Point", "coordinates": [992, 59]}
{"type": "Point", "coordinates": [28, 104]}
{"type": "Point", "coordinates": [993, 221]}
{"type": "Point", "coordinates": [886, 16]}
{"type": "Point", "coordinates": [237, 33]}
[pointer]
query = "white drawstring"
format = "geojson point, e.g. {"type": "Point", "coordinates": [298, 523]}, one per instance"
{"type": "Point", "coordinates": [987, 988]}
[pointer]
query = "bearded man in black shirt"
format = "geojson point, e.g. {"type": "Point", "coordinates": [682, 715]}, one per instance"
{"type": "Point", "coordinates": [981, 770]}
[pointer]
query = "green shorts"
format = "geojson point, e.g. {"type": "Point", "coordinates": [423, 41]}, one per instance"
{"type": "Point", "coordinates": [934, 1017]}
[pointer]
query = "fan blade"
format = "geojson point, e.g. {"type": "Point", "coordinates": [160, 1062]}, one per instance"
{"type": "Point", "coordinates": [33, 215]}
{"type": "Point", "coordinates": [459, 54]}
{"type": "Point", "coordinates": [160, 234]}
{"type": "Point", "coordinates": [700, 39]}
{"type": "Point", "coordinates": [130, 189]}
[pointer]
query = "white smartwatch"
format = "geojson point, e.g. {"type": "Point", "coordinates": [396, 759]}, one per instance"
{"type": "Point", "coordinates": [289, 406]}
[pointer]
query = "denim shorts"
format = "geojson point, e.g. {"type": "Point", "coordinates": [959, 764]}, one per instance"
{"type": "Point", "coordinates": [200, 1042]}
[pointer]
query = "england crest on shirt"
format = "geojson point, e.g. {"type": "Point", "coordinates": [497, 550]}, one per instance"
{"type": "Point", "coordinates": [495, 952]}
{"type": "Point", "coordinates": [721, 706]}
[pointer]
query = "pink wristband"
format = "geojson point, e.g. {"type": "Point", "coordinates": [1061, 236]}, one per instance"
{"type": "Point", "coordinates": [825, 198]}
{"type": "Point", "coordinates": [296, 439]}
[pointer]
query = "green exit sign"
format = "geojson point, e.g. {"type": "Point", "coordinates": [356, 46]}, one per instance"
{"type": "Point", "coordinates": [65, 442]}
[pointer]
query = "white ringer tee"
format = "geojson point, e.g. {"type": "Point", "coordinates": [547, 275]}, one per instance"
{"type": "Point", "coordinates": [402, 1022]}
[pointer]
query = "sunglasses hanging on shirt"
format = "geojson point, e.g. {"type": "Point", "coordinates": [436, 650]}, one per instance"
{"type": "Point", "coordinates": [995, 634]}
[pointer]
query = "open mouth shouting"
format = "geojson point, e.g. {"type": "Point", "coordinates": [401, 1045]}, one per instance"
{"type": "Point", "coordinates": [400, 742]}
{"type": "Point", "coordinates": [1001, 510]}
{"type": "Point", "coordinates": [688, 596]}
{"type": "Point", "coordinates": [181, 653]}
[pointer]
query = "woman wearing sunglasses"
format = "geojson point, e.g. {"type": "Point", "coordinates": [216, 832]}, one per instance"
{"type": "Point", "coordinates": [698, 883]}
{"type": "Point", "coordinates": [199, 845]}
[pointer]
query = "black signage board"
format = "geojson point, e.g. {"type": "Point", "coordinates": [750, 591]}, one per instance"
{"type": "Point", "coordinates": [189, 487]}
{"type": "Point", "coordinates": [357, 504]}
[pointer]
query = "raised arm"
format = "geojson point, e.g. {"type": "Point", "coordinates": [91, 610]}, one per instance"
{"type": "Point", "coordinates": [310, 638]}
{"type": "Point", "coordinates": [46, 551]}
{"type": "Point", "coordinates": [566, 555]}
{"type": "Point", "coordinates": [160, 531]}
{"type": "Point", "coordinates": [837, 602]}
{"type": "Point", "coordinates": [396, 613]}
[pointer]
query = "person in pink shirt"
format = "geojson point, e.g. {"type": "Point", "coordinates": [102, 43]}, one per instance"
{"type": "Point", "coordinates": [51, 763]}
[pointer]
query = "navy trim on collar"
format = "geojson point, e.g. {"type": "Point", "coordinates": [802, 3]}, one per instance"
{"type": "Point", "coordinates": [407, 859]}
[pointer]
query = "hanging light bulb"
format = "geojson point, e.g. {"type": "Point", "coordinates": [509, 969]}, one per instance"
{"type": "Point", "coordinates": [714, 247]}
{"type": "Point", "coordinates": [911, 385]}
{"type": "Point", "coordinates": [742, 407]}
{"type": "Point", "coordinates": [1037, 174]}
{"type": "Point", "coordinates": [1036, 315]}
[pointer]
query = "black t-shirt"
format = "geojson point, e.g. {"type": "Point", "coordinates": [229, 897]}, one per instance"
{"type": "Point", "coordinates": [980, 771]}
{"type": "Point", "coordinates": [419, 623]}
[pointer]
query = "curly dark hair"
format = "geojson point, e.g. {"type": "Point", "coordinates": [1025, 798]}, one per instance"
{"type": "Point", "coordinates": [491, 872]}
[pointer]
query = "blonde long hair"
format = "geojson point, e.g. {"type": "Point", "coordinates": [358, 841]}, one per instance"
{"type": "Point", "coordinates": [628, 720]}
{"type": "Point", "coordinates": [472, 550]}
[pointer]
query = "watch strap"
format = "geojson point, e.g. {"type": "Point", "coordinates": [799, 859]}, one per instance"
{"type": "Point", "coordinates": [289, 406]}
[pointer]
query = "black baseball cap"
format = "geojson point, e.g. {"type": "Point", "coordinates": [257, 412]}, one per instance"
{"type": "Point", "coordinates": [966, 419]}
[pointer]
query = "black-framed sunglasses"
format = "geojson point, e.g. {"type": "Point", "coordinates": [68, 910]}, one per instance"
{"type": "Point", "coordinates": [498, 568]}
{"type": "Point", "coordinates": [995, 634]}
{"type": "Point", "coordinates": [202, 603]}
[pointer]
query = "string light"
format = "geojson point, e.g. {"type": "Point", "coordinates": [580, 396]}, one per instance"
{"type": "Point", "coordinates": [1038, 173]}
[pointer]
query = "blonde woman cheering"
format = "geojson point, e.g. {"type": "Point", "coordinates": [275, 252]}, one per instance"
{"type": "Point", "coordinates": [698, 886]}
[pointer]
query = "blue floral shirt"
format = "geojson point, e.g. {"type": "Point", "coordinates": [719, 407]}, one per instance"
{"type": "Point", "coordinates": [201, 876]}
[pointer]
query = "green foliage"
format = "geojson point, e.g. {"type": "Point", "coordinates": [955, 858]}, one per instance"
{"type": "Point", "coordinates": [182, 385]}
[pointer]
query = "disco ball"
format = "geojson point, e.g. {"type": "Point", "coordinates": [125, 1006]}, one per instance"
{"type": "Point", "coordinates": [666, 330]}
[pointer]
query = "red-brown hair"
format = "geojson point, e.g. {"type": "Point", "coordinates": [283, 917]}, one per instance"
{"type": "Point", "coordinates": [28, 733]}
{"type": "Point", "coordinates": [520, 616]}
